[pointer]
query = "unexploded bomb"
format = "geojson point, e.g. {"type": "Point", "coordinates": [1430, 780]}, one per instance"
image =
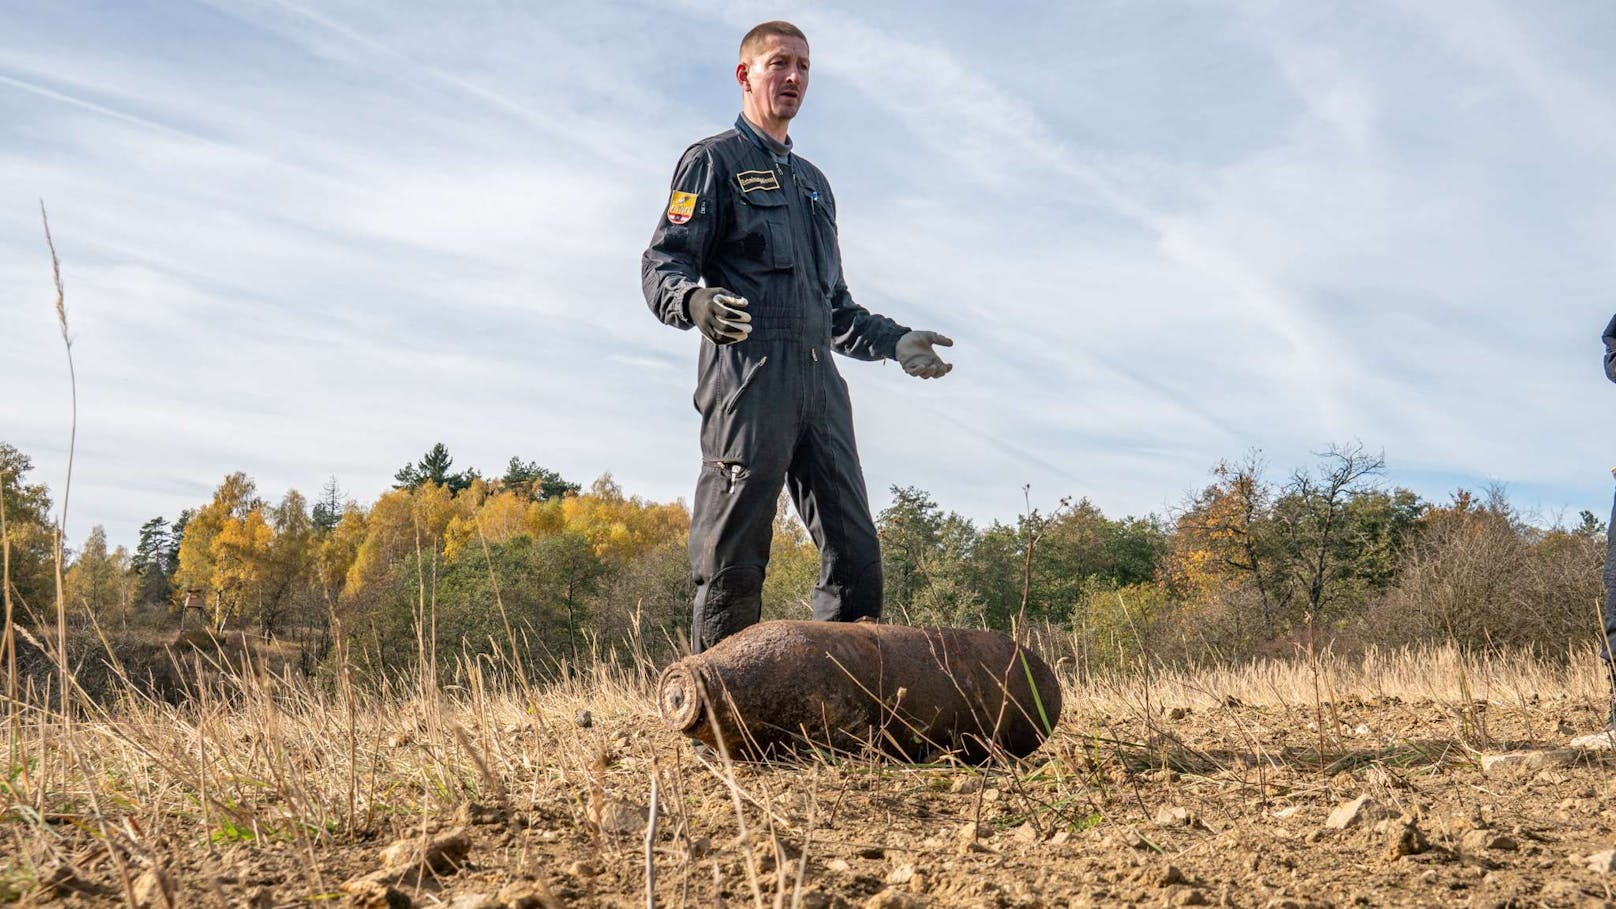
{"type": "Point", "coordinates": [910, 692]}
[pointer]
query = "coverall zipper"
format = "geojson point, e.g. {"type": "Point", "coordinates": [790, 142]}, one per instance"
{"type": "Point", "coordinates": [751, 372]}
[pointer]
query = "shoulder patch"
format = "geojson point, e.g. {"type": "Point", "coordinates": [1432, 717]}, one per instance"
{"type": "Point", "coordinates": [757, 179]}
{"type": "Point", "coordinates": [681, 206]}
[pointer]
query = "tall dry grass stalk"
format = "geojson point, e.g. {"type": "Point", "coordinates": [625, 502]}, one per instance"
{"type": "Point", "coordinates": [63, 682]}
{"type": "Point", "coordinates": [8, 643]}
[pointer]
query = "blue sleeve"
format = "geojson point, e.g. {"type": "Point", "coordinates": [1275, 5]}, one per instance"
{"type": "Point", "coordinates": [855, 331]}
{"type": "Point", "coordinates": [1610, 350]}
{"type": "Point", "coordinates": [684, 238]}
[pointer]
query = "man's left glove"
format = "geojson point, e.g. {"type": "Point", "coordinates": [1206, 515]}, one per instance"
{"type": "Point", "coordinates": [916, 356]}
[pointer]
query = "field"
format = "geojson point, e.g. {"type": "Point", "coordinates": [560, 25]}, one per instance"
{"type": "Point", "coordinates": [1159, 788]}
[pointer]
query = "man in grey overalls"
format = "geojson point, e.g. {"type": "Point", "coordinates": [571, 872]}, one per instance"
{"type": "Point", "coordinates": [1609, 611]}
{"type": "Point", "coordinates": [1607, 737]}
{"type": "Point", "coordinates": [747, 254]}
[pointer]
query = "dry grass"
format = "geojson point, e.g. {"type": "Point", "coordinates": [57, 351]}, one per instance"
{"type": "Point", "coordinates": [259, 770]}
{"type": "Point", "coordinates": [264, 790]}
{"type": "Point", "coordinates": [1428, 673]}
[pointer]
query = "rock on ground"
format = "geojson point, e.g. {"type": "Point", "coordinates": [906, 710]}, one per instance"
{"type": "Point", "coordinates": [442, 854]}
{"type": "Point", "coordinates": [1358, 812]}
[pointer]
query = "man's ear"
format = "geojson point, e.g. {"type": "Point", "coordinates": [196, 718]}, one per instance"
{"type": "Point", "coordinates": [740, 76]}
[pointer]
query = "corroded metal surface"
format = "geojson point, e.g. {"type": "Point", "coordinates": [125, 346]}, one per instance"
{"type": "Point", "coordinates": [910, 692]}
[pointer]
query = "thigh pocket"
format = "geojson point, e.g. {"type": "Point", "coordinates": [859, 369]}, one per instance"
{"type": "Point", "coordinates": [750, 374]}
{"type": "Point", "coordinates": [732, 470]}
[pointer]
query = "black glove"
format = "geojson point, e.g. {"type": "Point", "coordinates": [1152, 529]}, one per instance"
{"type": "Point", "coordinates": [720, 315]}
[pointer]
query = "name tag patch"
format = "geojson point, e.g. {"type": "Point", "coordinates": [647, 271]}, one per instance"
{"type": "Point", "coordinates": [681, 206]}
{"type": "Point", "coordinates": [757, 179]}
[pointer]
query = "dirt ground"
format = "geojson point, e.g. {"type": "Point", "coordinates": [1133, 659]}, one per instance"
{"type": "Point", "coordinates": [1151, 805]}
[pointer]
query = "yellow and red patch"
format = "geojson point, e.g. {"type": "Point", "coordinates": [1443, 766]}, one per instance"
{"type": "Point", "coordinates": [681, 206]}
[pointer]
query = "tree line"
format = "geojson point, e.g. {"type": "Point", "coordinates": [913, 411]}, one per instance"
{"type": "Point", "coordinates": [452, 565]}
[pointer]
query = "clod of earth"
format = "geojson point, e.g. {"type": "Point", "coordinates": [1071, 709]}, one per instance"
{"type": "Point", "coordinates": [1175, 816]}
{"type": "Point", "coordinates": [527, 895]}
{"type": "Point", "coordinates": [469, 813]}
{"type": "Point", "coordinates": [411, 861]}
{"type": "Point", "coordinates": [1480, 840]}
{"type": "Point", "coordinates": [1515, 761]}
{"type": "Point", "coordinates": [1596, 741]}
{"type": "Point", "coordinates": [153, 889]}
{"type": "Point", "coordinates": [1601, 862]}
{"type": "Point", "coordinates": [895, 899]}
{"type": "Point", "coordinates": [1168, 875]}
{"type": "Point", "coordinates": [365, 893]}
{"type": "Point", "coordinates": [1404, 837]}
{"type": "Point", "coordinates": [1357, 812]}
{"type": "Point", "coordinates": [442, 854]}
{"type": "Point", "coordinates": [970, 836]}
{"type": "Point", "coordinates": [973, 830]}
{"type": "Point", "coordinates": [913, 693]}
{"type": "Point", "coordinates": [616, 816]}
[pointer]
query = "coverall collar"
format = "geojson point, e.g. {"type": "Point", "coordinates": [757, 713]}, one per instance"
{"type": "Point", "coordinates": [762, 139]}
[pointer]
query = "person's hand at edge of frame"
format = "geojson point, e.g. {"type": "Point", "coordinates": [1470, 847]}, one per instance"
{"type": "Point", "coordinates": [917, 356]}
{"type": "Point", "coordinates": [720, 315]}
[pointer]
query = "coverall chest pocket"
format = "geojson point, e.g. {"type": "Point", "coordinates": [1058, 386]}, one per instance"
{"type": "Point", "coordinates": [827, 250]}
{"type": "Point", "coordinates": [763, 229]}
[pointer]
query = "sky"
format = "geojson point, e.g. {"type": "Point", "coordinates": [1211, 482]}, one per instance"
{"type": "Point", "coordinates": [310, 239]}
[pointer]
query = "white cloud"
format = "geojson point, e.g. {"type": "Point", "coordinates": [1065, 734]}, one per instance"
{"type": "Point", "coordinates": [304, 240]}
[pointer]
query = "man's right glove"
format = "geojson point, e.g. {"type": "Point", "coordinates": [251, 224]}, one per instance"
{"type": "Point", "coordinates": [720, 315]}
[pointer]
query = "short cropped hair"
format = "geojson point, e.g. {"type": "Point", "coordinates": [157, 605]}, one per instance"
{"type": "Point", "coordinates": [755, 38]}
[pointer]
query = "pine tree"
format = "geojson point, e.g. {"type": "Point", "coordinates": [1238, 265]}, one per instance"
{"type": "Point", "coordinates": [527, 478]}
{"type": "Point", "coordinates": [176, 536]}
{"type": "Point", "coordinates": [433, 468]}
{"type": "Point", "coordinates": [153, 561]}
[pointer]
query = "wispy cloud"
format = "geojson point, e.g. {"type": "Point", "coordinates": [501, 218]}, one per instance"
{"type": "Point", "coordinates": [309, 239]}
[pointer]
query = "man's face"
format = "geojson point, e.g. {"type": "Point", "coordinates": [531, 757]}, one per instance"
{"type": "Point", "coordinates": [775, 78]}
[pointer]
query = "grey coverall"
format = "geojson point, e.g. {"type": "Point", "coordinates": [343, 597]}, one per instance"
{"type": "Point", "coordinates": [749, 215]}
{"type": "Point", "coordinates": [1610, 540]}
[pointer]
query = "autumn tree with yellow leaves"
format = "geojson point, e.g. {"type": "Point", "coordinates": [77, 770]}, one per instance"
{"type": "Point", "coordinates": [529, 571]}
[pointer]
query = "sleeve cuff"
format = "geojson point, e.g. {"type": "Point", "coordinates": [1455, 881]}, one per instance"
{"type": "Point", "coordinates": [889, 344]}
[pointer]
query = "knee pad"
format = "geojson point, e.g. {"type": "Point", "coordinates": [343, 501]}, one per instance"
{"type": "Point", "coordinates": [736, 584]}
{"type": "Point", "coordinates": [857, 598]}
{"type": "Point", "coordinates": [865, 595]}
{"type": "Point", "coordinates": [731, 601]}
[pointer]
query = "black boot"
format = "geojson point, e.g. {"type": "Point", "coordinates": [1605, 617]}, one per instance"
{"type": "Point", "coordinates": [1605, 738]}
{"type": "Point", "coordinates": [1610, 713]}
